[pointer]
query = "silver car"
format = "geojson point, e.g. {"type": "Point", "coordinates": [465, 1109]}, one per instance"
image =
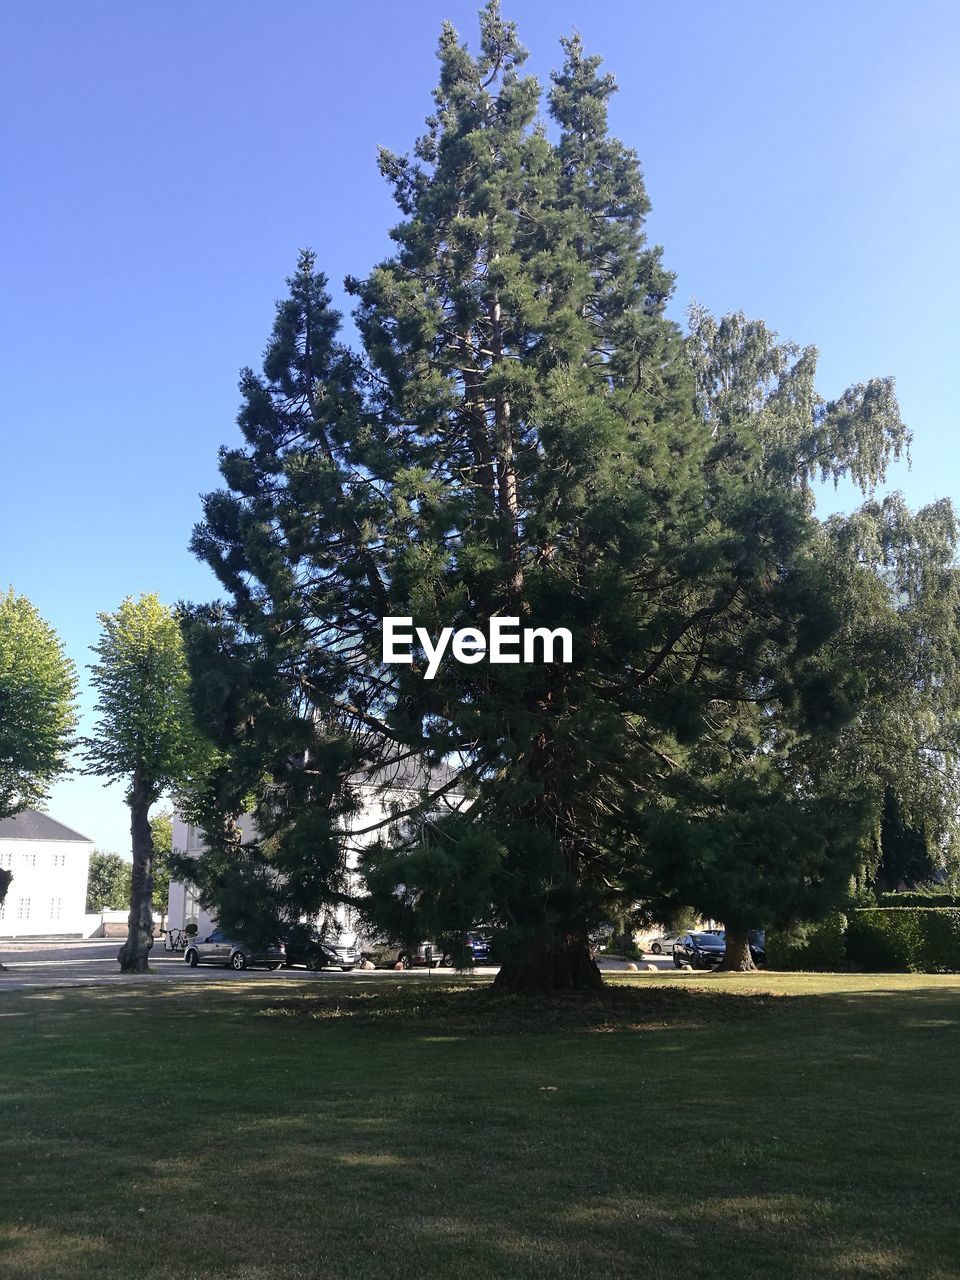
{"type": "Point", "coordinates": [663, 945]}
{"type": "Point", "coordinates": [219, 948]}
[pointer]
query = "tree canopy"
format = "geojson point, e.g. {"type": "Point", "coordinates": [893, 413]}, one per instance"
{"type": "Point", "coordinates": [108, 882]}
{"type": "Point", "coordinates": [37, 716]}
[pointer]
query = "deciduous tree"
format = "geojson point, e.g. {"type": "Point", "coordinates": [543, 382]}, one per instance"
{"type": "Point", "coordinates": [108, 882]}
{"type": "Point", "coordinates": [37, 717]}
{"type": "Point", "coordinates": [144, 736]}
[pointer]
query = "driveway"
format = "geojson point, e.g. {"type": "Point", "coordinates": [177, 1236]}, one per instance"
{"type": "Point", "coordinates": [94, 963]}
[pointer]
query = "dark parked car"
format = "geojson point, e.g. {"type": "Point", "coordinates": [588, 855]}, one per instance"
{"type": "Point", "coordinates": [393, 955]}
{"type": "Point", "coordinates": [219, 948]}
{"type": "Point", "coordinates": [307, 947]}
{"type": "Point", "coordinates": [479, 948]}
{"type": "Point", "coordinates": [758, 946]}
{"type": "Point", "coordinates": [700, 950]}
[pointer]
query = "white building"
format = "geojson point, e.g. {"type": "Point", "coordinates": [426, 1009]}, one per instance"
{"type": "Point", "coordinates": [386, 791]}
{"type": "Point", "coordinates": [48, 892]}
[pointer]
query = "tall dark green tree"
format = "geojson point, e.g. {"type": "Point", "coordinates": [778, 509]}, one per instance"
{"type": "Point", "coordinates": [521, 434]}
{"type": "Point", "coordinates": [904, 855]}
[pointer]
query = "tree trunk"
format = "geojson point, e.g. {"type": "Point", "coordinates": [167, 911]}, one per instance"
{"type": "Point", "coordinates": [506, 472]}
{"type": "Point", "coordinates": [134, 953]}
{"type": "Point", "coordinates": [737, 957]}
{"type": "Point", "coordinates": [563, 964]}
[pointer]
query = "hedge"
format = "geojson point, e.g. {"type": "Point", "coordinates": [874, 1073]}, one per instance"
{"type": "Point", "coordinates": [919, 898]}
{"type": "Point", "coordinates": [904, 939]}
{"type": "Point", "coordinates": [814, 947]}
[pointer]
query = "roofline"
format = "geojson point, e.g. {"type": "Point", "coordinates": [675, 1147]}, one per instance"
{"type": "Point", "coordinates": [76, 838]}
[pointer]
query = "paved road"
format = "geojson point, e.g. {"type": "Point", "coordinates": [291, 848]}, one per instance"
{"type": "Point", "coordinates": [94, 963]}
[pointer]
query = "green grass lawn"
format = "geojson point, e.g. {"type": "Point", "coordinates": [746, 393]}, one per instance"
{"type": "Point", "coordinates": [771, 1127]}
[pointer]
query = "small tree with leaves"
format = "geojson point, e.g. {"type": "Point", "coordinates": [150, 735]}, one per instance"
{"type": "Point", "coordinates": [37, 718]}
{"type": "Point", "coordinates": [108, 882]}
{"type": "Point", "coordinates": [144, 737]}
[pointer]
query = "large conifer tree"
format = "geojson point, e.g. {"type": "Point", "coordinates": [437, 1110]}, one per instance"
{"type": "Point", "coordinates": [520, 435]}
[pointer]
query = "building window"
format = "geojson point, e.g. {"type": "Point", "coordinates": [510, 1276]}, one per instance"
{"type": "Point", "coordinates": [194, 838]}
{"type": "Point", "coordinates": [59, 859]}
{"type": "Point", "coordinates": [23, 909]}
{"type": "Point", "coordinates": [56, 908]}
{"type": "Point", "coordinates": [6, 861]}
{"type": "Point", "coordinates": [28, 859]}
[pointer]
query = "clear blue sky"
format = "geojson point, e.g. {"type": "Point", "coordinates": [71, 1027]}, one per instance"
{"type": "Point", "coordinates": [162, 164]}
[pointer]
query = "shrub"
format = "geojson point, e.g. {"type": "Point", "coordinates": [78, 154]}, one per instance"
{"type": "Point", "coordinates": [905, 939]}
{"type": "Point", "coordinates": [814, 947]}
{"type": "Point", "coordinates": [919, 898]}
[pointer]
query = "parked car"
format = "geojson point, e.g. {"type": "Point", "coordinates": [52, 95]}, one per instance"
{"type": "Point", "coordinates": [663, 944]}
{"type": "Point", "coordinates": [758, 946]}
{"type": "Point", "coordinates": [220, 948]}
{"type": "Point", "coordinates": [700, 950]}
{"type": "Point", "coordinates": [316, 951]}
{"type": "Point", "coordinates": [390, 955]}
{"type": "Point", "coordinates": [479, 948]}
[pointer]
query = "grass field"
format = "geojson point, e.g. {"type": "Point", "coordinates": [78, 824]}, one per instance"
{"type": "Point", "coordinates": [745, 1127]}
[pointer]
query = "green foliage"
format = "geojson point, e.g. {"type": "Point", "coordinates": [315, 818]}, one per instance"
{"type": "Point", "coordinates": [919, 898]}
{"type": "Point", "coordinates": [161, 828]}
{"type": "Point", "coordinates": [818, 948]}
{"type": "Point", "coordinates": [905, 940]}
{"type": "Point", "coordinates": [37, 718]}
{"type": "Point", "coordinates": [745, 374]}
{"type": "Point", "coordinates": [144, 724]}
{"type": "Point", "coordinates": [678, 919]}
{"type": "Point", "coordinates": [790, 790]}
{"type": "Point", "coordinates": [108, 882]}
{"type": "Point", "coordinates": [904, 853]}
{"type": "Point", "coordinates": [903, 627]}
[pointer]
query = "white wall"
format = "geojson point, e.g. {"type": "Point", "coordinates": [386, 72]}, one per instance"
{"type": "Point", "coordinates": [48, 893]}
{"type": "Point", "coordinates": [182, 905]}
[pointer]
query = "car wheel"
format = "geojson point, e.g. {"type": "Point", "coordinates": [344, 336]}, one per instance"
{"type": "Point", "coordinates": [238, 961]}
{"type": "Point", "coordinates": [447, 962]}
{"type": "Point", "coordinates": [347, 968]}
{"type": "Point", "coordinates": [191, 959]}
{"type": "Point", "coordinates": [314, 964]}
{"type": "Point", "coordinates": [677, 964]}
{"type": "Point", "coordinates": [404, 962]}
{"type": "Point", "coordinates": [657, 949]}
